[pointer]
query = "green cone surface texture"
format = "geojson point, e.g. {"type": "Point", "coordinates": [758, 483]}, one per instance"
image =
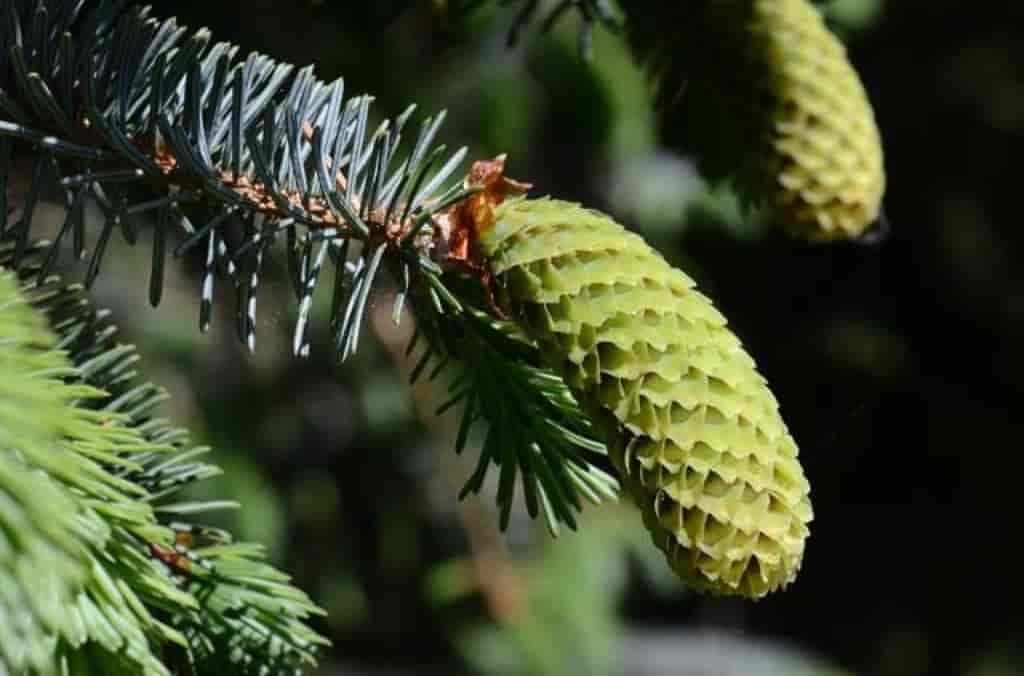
{"type": "Point", "coordinates": [690, 424]}
{"type": "Point", "coordinates": [819, 165]}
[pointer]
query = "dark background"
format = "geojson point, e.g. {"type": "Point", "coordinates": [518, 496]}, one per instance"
{"type": "Point", "coordinates": [898, 367]}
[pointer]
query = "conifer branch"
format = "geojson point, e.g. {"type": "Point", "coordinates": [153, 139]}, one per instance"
{"type": "Point", "coordinates": [164, 129]}
{"type": "Point", "coordinates": [135, 586]}
{"type": "Point", "coordinates": [590, 12]}
{"type": "Point", "coordinates": [146, 117]}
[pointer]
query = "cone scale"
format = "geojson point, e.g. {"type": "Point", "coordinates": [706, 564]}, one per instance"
{"type": "Point", "coordinates": [691, 426]}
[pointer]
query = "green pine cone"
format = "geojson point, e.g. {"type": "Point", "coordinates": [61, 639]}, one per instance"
{"type": "Point", "coordinates": [818, 164]}
{"type": "Point", "coordinates": [691, 426]}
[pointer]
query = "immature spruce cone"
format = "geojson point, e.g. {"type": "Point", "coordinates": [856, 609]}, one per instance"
{"type": "Point", "coordinates": [818, 164]}
{"type": "Point", "coordinates": [690, 424]}
{"type": "Point", "coordinates": [792, 120]}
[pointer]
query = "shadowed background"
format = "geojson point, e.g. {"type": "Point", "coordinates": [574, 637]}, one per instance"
{"type": "Point", "coordinates": [897, 366]}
